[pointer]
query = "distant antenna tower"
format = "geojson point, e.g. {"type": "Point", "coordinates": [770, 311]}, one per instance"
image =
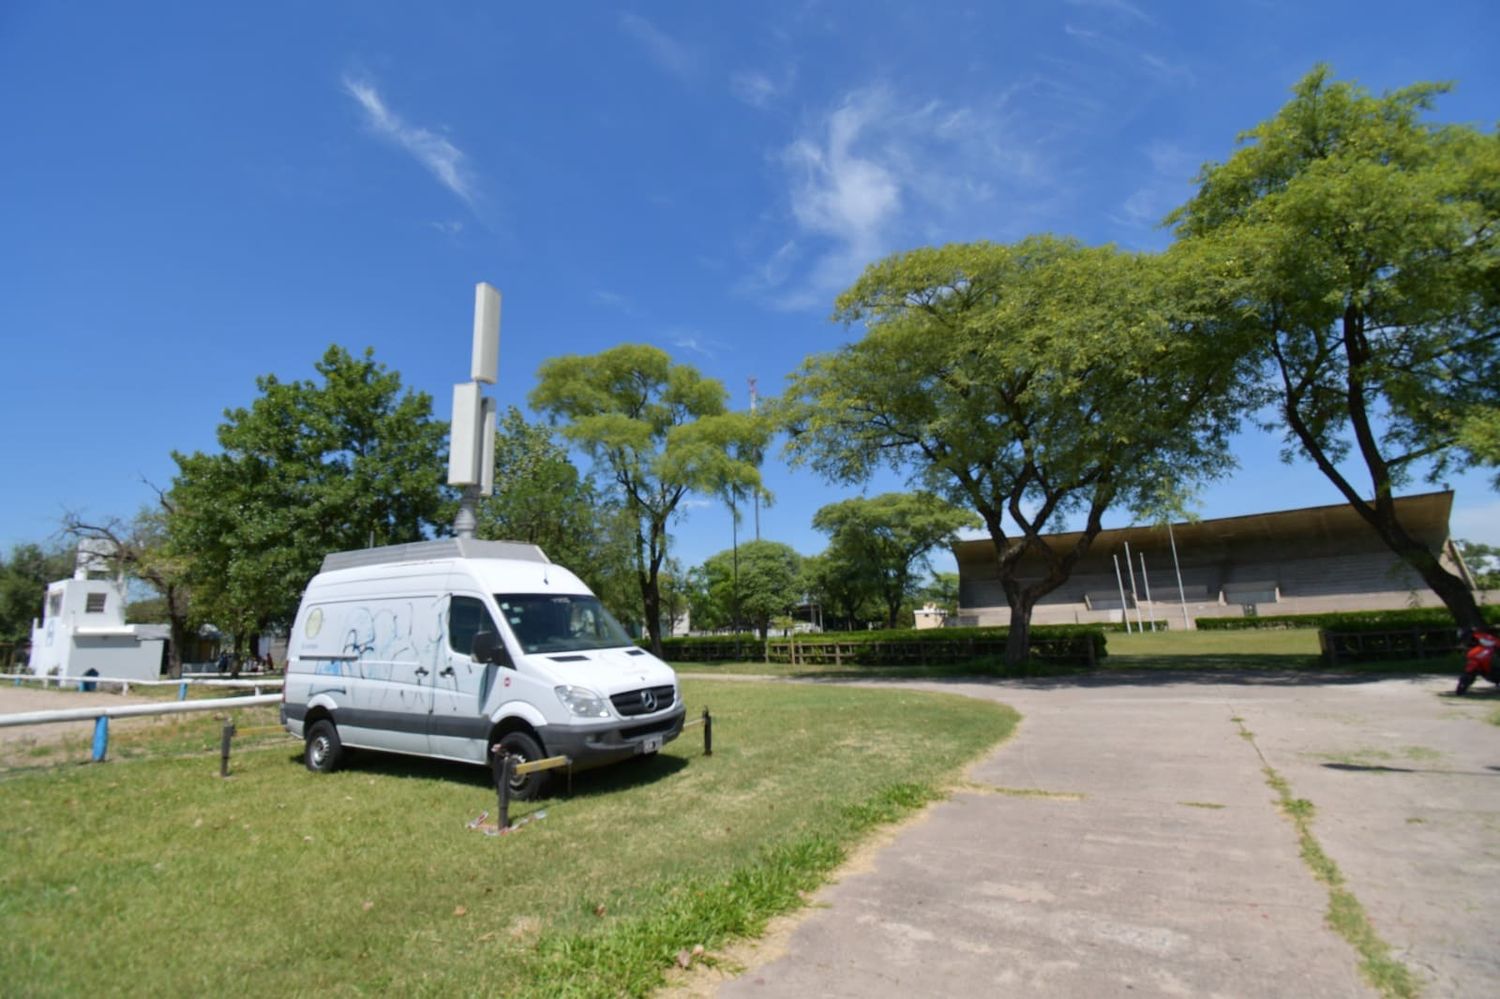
{"type": "Point", "coordinates": [753, 399]}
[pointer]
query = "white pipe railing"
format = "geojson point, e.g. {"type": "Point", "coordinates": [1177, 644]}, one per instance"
{"type": "Point", "coordinates": [182, 684]}
{"type": "Point", "coordinates": [133, 710]}
{"type": "Point", "coordinates": [101, 715]}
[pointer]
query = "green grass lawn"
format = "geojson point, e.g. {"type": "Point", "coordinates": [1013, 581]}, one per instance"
{"type": "Point", "coordinates": [151, 875]}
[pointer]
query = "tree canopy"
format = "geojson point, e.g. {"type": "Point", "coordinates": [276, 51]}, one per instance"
{"type": "Point", "coordinates": [24, 576]}
{"type": "Point", "coordinates": [141, 549]}
{"type": "Point", "coordinates": [541, 497]}
{"type": "Point", "coordinates": [761, 581]}
{"type": "Point", "coordinates": [886, 540]}
{"type": "Point", "coordinates": [1030, 383]}
{"type": "Point", "coordinates": [1359, 243]}
{"type": "Point", "coordinates": [310, 467]}
{"type": "Point", "coordinates": [661, 431]}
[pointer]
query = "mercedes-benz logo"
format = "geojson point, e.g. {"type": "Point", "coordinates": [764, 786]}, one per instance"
{"type": "Point", "coordinates": [648, 700]}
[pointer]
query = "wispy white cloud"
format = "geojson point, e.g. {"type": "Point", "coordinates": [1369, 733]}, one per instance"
{"type": "Point", "coordinates": [1119, 7]}
{"type": "Point", "coordinates": [1131, 58]}
{"type": "Point", "coordinates": [696, 344]}
{"type": "Point", "coordinates": [1167, 184]}
{"type": "Point", "coordinates": [666, 52]}
{"type": "Point", "coordinates": [759, 89]}
{"type": "Point", "coordinates": [450, 227]}
{"type": "Point", "coordinates": [877, 173]}
{"type": "Point", "coordinates": [755, 89]}
{"type": "Point", "coordinates": [442, 158]}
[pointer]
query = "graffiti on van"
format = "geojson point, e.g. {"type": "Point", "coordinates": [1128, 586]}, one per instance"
{"type": "Point", "coordinates": [387, 645]}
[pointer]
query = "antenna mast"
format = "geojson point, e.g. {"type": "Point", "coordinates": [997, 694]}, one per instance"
{"type": "Point", "coordinates": [753, 400]}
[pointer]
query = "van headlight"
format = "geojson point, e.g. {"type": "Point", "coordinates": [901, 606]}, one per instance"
{"type": "Point", "coordinates": [582, 702]}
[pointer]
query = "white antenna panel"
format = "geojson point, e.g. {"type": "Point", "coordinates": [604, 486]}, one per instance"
{"type": "Point", "coordinates": [486, 362]}
{"type": "Point", "coordinates": [464, 436]}
{"type": "Point", "coordinates": [487, 449]}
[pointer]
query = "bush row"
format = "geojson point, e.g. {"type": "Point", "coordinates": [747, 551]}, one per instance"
{"type": "Point", "coordinates": [1054, 643]}
{"type": "Point", "coordinates": [1382, 620]}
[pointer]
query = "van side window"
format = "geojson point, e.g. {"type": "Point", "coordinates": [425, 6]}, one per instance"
{"type": "Point", "coordinates": [466, 616]}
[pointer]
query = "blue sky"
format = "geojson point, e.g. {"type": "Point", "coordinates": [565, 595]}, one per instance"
{"type": "Point", "coordinates": [195, 194]}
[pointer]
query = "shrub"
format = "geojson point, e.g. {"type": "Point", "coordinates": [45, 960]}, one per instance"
{"type": "Point", "coordinates": [1054, 643]}
{"type": "Point", "coordinates": [1380, 620]}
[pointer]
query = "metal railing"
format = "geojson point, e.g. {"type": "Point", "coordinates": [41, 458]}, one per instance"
{"type": "Point", "coordinates": [101, 714]}
{"type": "Point", "coordinates": [83, 682]}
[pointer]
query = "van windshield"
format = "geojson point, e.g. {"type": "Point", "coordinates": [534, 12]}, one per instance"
{"type": "Point", "coordinates": [545, 622]}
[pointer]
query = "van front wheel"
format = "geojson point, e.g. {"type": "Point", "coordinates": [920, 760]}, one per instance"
{"type": "Point", "coordinates": [324, 750]}
{"type": "Point", "coordinates": [530, 786]}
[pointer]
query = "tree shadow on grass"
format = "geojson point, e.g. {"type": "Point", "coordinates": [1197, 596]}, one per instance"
{"type": "Point", "coordinates": [1145, 671]}
{"type": "Point", "coordinates": [621, 776]}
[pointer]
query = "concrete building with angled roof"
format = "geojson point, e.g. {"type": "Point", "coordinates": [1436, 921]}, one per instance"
{"type": "Point", "coordinates": [1307, 561]}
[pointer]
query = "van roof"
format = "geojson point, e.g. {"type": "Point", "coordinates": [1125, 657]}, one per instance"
{"type": "Point", "coordinates": [427, 551]}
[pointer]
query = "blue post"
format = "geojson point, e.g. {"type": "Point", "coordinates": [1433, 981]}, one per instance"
{"type": "Point", "coordinates": [182, 691]}
{"type": "Point", "coordinates": [101, 738]}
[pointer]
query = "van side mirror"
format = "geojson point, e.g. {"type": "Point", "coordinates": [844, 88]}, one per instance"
{"type": "Point", "coordinates": [488, 649]}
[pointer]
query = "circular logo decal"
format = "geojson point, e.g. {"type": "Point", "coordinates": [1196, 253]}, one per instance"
{"type": "Point", "coordinates": [314, 623]}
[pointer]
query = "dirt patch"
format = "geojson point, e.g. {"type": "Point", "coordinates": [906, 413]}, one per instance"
{"type": "Point", "coordinates": [16, 700]}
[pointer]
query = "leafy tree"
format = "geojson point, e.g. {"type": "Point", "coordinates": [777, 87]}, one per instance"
{"type": "Point", "coordinates": [24, 577]}
{"type": "Point", "coordinates": [941, 590]}
{"type": "Point", "coordinates": [141, 549]}
{"type": "Point", "coordinates": [1362, 245]}
{"type": "Point", "coordinates": [542, 498]}
{"type": "Point", "coordinates": [676, 591]}
{"type": "Point", "coordinates": [769, 584]}
{"type": "Point", "coordinates": [311, 467]}
{"type": "Point", "coordinates": [848, 597]}
{"type": "Point", "coordinates": [1034, 381]}
{"type": "Point", "coordinates": [889, 538]}
{"type": "Point", "coordinates": [661, 431]}
{"type": "Point", "coordinates": [1483, 562]}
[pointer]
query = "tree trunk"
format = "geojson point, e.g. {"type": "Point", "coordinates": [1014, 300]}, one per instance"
{"type": "Point", "coordinates": [651, 599]}
{"type": "Point", "coordinates": [1379, 512]}
{"type": "Point", "coordinates": [1018, 640]}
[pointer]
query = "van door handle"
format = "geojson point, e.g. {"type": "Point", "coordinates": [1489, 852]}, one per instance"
{"type": "Point", "coordinates": [446, 672]}
{"type": "Point", "coordinates": [421, 671]}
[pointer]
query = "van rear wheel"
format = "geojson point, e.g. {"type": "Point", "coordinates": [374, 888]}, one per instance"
{"type": "Point", "coordinates": [325, 753]}
{"type": "Point", "coordinates": [527, 787]}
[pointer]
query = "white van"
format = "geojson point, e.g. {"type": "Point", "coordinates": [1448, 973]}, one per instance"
{"type": "Point", "coordinates": [448, 648]}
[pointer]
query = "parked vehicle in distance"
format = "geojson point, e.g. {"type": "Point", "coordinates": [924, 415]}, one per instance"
{"type": "Point", "coordinates": [450, 648]}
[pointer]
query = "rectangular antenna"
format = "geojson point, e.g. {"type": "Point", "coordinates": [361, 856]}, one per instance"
{"type": "Point", "coordinates": [487, 450]}
{"type": "Point", "coordinates": [464, 436]}
{"type": "Point", "coordinates": [486, 359]}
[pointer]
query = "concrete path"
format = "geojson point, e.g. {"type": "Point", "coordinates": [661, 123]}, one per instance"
{"type": "Point", "coordinates": [1125, 842]}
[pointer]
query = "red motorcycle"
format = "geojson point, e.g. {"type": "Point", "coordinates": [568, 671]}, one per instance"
{"type": "Point", "coordinates": [1480, 660]}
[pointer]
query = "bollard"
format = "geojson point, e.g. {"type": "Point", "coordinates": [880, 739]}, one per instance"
{"type": "Point", "coordinates": [227, 735]}
{"type": "Point", "coordinates": [504, 769]}
{"type": "Point", "coordinates": [101, 738]}
{"type": "Point", "coordinates": [708, 733]}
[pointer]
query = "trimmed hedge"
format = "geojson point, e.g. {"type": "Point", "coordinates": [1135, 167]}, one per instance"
{"type": "Point", "coordinates": [1072, 644]}
{"type": "Point", "coordinates": [1382, 620]}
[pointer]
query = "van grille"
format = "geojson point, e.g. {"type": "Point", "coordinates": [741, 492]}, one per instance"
{"type": "Point", "coordinates": [634, 702]}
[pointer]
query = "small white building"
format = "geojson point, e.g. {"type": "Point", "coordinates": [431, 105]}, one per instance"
{"type": "Point", "coordinates": [930, 615]}
{"type": "Point", "coordinates": [83, 630]}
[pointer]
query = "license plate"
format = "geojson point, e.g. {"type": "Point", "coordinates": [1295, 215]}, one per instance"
{"type": "Point", "coordinates": [651, 745]}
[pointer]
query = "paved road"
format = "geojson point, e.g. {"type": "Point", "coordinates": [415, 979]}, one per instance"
{"type": "Point", "coordinates": [1125, 842]}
